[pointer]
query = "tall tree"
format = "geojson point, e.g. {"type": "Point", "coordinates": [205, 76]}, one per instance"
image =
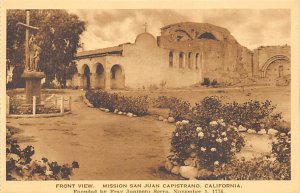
{"type": "Point", "coordinates": [58, 37]}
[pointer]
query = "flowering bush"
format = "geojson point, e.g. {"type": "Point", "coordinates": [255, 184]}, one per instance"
{"type": "Point", "coordinates": [252, 114]}
{"type": "Point", "coordinates": [180, 110]}
{"type": "Point", "coordinates": [281, 147]}
{"type": "Point", "coordinates": [137, 105]}
{"type": "Point", "coordinates": [207, 145]}
{"type": "Point", "coordinates": [261, 168]}
{"type": "Point", "coordinates": [165, 102]}
{"type": "Point", "coordinates": [20, 166]}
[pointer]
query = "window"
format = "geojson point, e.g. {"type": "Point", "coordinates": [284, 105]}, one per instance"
{"type": "Point", "coordinates": [190, 60]}
{"type": "Point", "coordinates": [181, 55]}
{"type": "Point", "coordinates": [171, 59]}
{"type": "Point", "coordinates": [196, 60]}
{"type": "Point", "coordinates": [207, 35]}
{"type": "Point", "coordinates": [280, 69]}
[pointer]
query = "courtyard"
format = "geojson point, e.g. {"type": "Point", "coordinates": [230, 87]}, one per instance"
{"type": "Point", "coordinates": [112, 147]}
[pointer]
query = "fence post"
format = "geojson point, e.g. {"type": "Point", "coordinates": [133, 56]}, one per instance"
{"type": "Point", "coordinates": [55, 102]}
{"type": "Point", "coordinates": [62, 104]}
{"type": "Point", "coordinates": [70, 103]}
{"type": "Point", "coordinates": [34, 105]}
{"type": "Point", "coordinates": [7, 104]}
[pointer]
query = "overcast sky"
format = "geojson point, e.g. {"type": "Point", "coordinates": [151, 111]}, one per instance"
{"type": "Point", "coordinates": [251, 28]}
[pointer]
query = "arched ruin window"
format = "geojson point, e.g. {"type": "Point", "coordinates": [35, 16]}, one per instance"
{"type": "Point", "coordinates": [171, 59]}
{"type": "Point", "coordinates": [196, 60]}
{"type": "Point", "coordinates": [207, 35]}
{"type": "Point", "coordinates": [190, 60]}
{"type": "Point", "coordinates": [181, 56]}
{"type": "Point", "coordinates": [182, 35]}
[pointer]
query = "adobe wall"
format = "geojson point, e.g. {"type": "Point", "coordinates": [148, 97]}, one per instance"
{"type": "Point", "coordinates": [147, 66]}
{"type": "Point", "coordinates": [183, 55]}
{"type": "Point", "coordinates": [222, 58]}
{"type": "Point", "coordinates": [264, 54]}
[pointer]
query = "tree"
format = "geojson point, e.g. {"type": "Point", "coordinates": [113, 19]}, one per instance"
{"type": "Point", "coordinates": [58, 37]}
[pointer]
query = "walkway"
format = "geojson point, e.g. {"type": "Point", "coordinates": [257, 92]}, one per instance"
{"type": "Point", "coordinates": [106, 146]}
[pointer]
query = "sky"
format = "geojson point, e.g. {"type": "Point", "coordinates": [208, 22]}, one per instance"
{"type": "Point", "coordinates": [251, 28]}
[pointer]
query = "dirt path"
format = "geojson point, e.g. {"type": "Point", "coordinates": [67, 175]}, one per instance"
{"type": "Point", "coordinates": [107, 146]}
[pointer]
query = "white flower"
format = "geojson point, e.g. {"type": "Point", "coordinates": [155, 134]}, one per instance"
{"type": "Point", "coordinates": [178, 123]}
{"type": "Point", "coordinates": [223, 124]}
{"type": "Point", "coordinates": [198, 129]}
{"type": "Point", "coordinates": [201, 135]}
{"type": "Point", "coordinates": [203, 149]}
{"type": "Point", "coordinates": [220, 120]}
{"type": "Point", "coordinates": [219, 140]}
{"type": "Point", "coordinates": [282, 134]}
{"type": "Point", "coordinates": [224, 133]}
{"type": "Point", "coordinates": [176, 134]}
{"type": "Point", "coordinates": [213, 149]}
{"type": "Point", "coordinates": [242, 128]}
{"type": "Point", "coordinates": [233, 144]}
{"type": "Point", "coordinates": [225, 139]}
{"type": "Point", "coordinates": [216, 163]}
{"type": "Point", "coordinates": [213, 123]}
{"type": "Point", "coordinates": [40, 163]}
{"type": "Point", "coordinates": [192, 146]}
{"type": "Point", "coordinates": [184, 122]}
{"type": "Point", "coordinates": [48, 172]}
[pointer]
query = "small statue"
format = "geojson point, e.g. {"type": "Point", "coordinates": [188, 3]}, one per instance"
{"type": "Point", "coordinates": [34, 56]}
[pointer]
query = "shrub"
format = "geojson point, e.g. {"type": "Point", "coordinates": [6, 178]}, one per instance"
{"type": "Point", "coordinates": [165, 102]}
{"type": "Point", "coordinates": [206, 82]}
{"type": "Point", "coordinates": [208, 145]}
{"type": "Point", "coordinates": [252, 114]}
{"type": "Point", "coordinates": [261, 168]}
{"type": "Point", "coordinates": [137, 105]}
{"type": "Point", "coordinates": [180, 110]}
{"type": "Point", "coordinates": [20, 166]}
{"type": "Point", "coordinates": [209, 109]}
{"type": "Point", "coordinates": [281, 147]}
{"type": "Point", "coordinates": [214, 83]}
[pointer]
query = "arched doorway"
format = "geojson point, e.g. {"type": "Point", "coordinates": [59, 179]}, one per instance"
{"type": "Point", "coordinates": [117, 80]}
{"type": "Point", "coordinates": [276, 67]}
{"type": "Point", "coordinates": [86, 77]}
{"type": "Point", "coordinates": [100, 76]}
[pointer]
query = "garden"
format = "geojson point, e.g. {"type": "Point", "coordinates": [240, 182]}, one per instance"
{"type": "Point", "coordinates": [21, 166]}
{"type": "Point", "coordinates": [52, 103]}
{"type": "Point", "coordinates": [209, 134]}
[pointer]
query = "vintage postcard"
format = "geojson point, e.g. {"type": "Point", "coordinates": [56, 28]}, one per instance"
{"type": "Point", "coordinates": [150, 96]}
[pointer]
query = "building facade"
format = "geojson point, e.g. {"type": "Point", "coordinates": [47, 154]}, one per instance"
{"type": "Point", "coordinates": [184, 54]}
